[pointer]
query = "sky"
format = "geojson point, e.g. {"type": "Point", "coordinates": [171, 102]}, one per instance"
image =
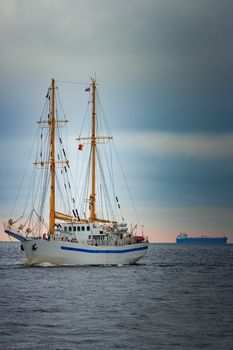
{"type": "Point", "coordinates": [165, 72]}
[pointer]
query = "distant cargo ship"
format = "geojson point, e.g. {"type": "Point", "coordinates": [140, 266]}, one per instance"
{"type": "Point", "coordinates": [183, 238]}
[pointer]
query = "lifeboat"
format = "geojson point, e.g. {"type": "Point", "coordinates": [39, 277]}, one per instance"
{"type": "Point", "coordinates": [138, 239]}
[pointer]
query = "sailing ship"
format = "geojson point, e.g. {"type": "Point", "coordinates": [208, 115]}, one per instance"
{"type": "Point", "coordinates": [74, 236]}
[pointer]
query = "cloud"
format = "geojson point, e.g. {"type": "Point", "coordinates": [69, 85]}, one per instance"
{"type": "Point", "coordinates": [179, 144]}
{"type": "Point", "coordinates": [170, 169]}
{"type": "Point", "coordinates": [183, 218]}
{"type": "Point", "coordinates": [162, 41]}
{"type": "Point", "coordinates": [168, 64]}
{"type": "Point", "coordinates": [73, 35]}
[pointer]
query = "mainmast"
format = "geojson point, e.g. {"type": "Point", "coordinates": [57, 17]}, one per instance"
{"type": "Point", "coordinates": [52, 163]}
{"type": "Point", "coordinates": [93, 142]}
{"type": "Point", "coordinates": [93, 151]}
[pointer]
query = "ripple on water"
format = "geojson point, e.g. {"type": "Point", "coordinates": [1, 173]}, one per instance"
{"type": "Point", "coordinates": [172, 299]}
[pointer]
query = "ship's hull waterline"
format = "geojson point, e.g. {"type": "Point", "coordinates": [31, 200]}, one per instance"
{"type": "Point", "coordinates": [68, 253]}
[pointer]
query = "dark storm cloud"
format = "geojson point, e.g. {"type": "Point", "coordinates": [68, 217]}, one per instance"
{"type": "Point", "coordinates": [173, 58]}
{"type": "Point", "coordinates": [174, 180]}
{"type": "Point", "coordinates": [193, 90]}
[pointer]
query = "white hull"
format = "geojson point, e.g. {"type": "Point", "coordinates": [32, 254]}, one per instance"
{"type": "Point", "coordinates": [58, 252]}
{"type": "Point", "coordinates": [67, 253]}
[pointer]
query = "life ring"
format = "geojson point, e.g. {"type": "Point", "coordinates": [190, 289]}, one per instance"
{"type": "Point", "coordinates": [90, 242]}
{"type": "Point", "coordinates": [34, 247]}
{"type": "Point", "coordinates": [10, 222]}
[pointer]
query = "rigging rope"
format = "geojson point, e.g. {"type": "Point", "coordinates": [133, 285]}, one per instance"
{"type": "Point", "coordinates": [121, 167]}
{"type": "Point", "coordinates": [72, 82]}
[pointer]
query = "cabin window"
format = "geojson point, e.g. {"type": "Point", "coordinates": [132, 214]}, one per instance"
{"type": "Point", "coordinates": [65, 228]}
{"type": "Point", "coordinates": [78, 228]}
{"type": "Point", "coordinates": [88, 228]}
{"type": "Point", "coordinates": [101, 232]}
{"type": "Point", "coordinates": [74, 228]}
{"type": "Point", "coordinates": [89, 237]}
{"type": "Point", "coordinates": [70, 228]}
{"type": "Point", "coordinates": [83, 228]}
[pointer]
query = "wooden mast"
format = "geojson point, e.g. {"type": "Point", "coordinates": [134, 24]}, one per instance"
{"type": "Point", "coordinates": [52, 163]}
{"type": "Point", "coordinates": [93, 141]}
{"type": "Point", "coordinates": [93, 151]}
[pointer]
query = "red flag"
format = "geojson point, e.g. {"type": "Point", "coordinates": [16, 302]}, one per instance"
{"type": "Point", "coordinates": [80, 147]}
{"type": "Point", "coordinates": [88, 89]}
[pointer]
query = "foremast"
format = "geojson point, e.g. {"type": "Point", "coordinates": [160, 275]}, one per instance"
{"type": "Point", "coordinates": [50, 163]}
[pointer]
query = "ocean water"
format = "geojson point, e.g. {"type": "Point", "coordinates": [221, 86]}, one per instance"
{"type": "Point", "coordinates": [177, 297]}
